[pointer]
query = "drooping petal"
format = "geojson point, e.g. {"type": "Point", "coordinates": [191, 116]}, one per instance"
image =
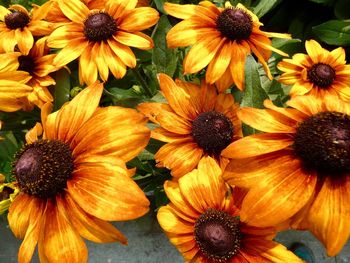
{"type": "Point", "coordinates": [72, 51]}
{"type": "Point", "coordinates": [219, 64]}
{"type": "Point", "coordinates": [25, 40]}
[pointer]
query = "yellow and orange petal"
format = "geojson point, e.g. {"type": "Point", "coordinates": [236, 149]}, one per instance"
{"type": "Point", "coordinates": [319, 72]}
{"type": "Point", "coordinates": [203, 191]}
{"type": "Point", "coordinates": [222, 56]}
{"type": "Point", "coordinates": [100, 188]}
{"type": "Point", "coordinates": [18, 27]}
{"type": "Point", "coordinates": [99, 53]}
{"type": "Point", "coordinates": [282, 184]}
{"type": "Point", "coordinates": [188, 102]}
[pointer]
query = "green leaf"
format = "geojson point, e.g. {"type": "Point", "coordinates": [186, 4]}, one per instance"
{"type": "Point", "coordinates": [62, 88]}
{"type": "Point", "coordinates": [254, 95]}
{"type": "Point", "coordinates": [342, 10]}
{"type": "Point", "coordinates": [164, 58]}
{"type": "Point", "coordinates": [334, 32]}
{"type": "Point", "coordinates": [264, 6]}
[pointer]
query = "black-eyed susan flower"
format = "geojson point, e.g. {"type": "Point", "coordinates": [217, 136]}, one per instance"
{"type": "Point", "coordinates": [101, 38]}
{"type": "Point", "coordinates": [38, 64]}
{"type": "Point", "coordinates": [318, 72]}
{"type": "Point", "coordinates": [298, 169]}
{"type": "Point", "coordinates": [13, 90]}
{"type": "Point", "coordinates": [203, 221]}
{"type": "Point", "coordinates": [196, 122]}
{"type": "Point", "coordinates": [18, 27]}
{"type": "Point", "coordinates": [74, 178]}
{"type": "Point", "coordinates": [221, 39]}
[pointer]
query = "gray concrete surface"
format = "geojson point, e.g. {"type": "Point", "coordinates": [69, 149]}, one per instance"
{"type": "Point", "coordinates": [147, 244]}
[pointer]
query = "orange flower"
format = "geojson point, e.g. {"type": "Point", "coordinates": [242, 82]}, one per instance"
{"type": "Point", "coordinates": [196, 122]}
{"type": "Point", "coordinates": [202, 221]}
{"type": "Point", "coordinates": [299, 168]}
{"type": "Point", "coordinates": [101, 38]}
{"type": "Point", "coordinates": [75, 179]}
{"type": "Point", "coordinates": [18, 26]}
{"type": "Point", "coordinates": [221, 39]}
{"type": "Point", "coordinates": [318, 73]}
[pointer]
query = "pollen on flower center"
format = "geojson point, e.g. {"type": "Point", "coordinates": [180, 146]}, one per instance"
{"type": "Point", "coordinates": [16, 19]}
{"type": "Point", "coordinates": [43, 168]}
{"type": "Point", "coordinates": [26, 63]}
{"type": "Point", "coordinates": [218, 235]}
{"type": "Point", "coordinates": [99, 27]}
{"type": "Point", "coordinates": [321, 75]}
{"type": "Point", "coordinates": [235, 24]}
{"type": "Point", "coordinates": [322, 142]}
{"type": "Point", "coordinates": [212, 131]}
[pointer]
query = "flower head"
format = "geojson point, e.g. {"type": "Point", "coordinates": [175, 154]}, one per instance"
{"type": "Point", "coordinates": [196, 122]}
{"type": "Point", "coordinates": [318, 72]}
{"type": "Point", "coordinates": [202, 221]}
{"type": "Point", "coordinates": [18, 27]}
{"type": "Point", "coordinates": [73, 179]}
{"type": "Point", "coordinates": [221, 39]}
{"type": "Point", "coordinates": [298, 169]}
{"type": "Point", "coordinates": [101, 38]}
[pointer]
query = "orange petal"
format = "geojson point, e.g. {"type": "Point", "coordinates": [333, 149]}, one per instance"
{"type": "Point", "coordinates": [25, 40]}
{"type": "Point", "coordinates": [178, 98]}
{"type": "Point", "coordinates": [87, 66]}
{"type": "Point", "coordinates": [90, 227]}
{"type": "Point", "coordinates": [220, 63]}
{"type": "Point", "coordinates": [171, 223]}
{"type": "Point", "coordinates": [62, 36]}
{"type": "Point", "coordinates": [114, 63]}
{"type": "Point", "coordinates": [279, 197]}
{"type": "Point", "coordinates": [257, 144]}
{"type": "Point", "coordinates": [139, 19]}
{"type": "Point", "coordinates": [180, 11]}
{"type": "Point", "coordinates": [106, 191]}
{"type": "Point", "coordinates": [75, 10]}
{"type": "Point", "coordinates": [72, 51]}
{"type": "Point", "coordinates": [135, 39]}
{"type": "Point", "coordinates": [32, 134]}
{"type": "Point", "coordinates": [329, 214]}
{"type": "Point", "coordinates": [309, 105]}
{"type": "Point", "coordinates": [123, 52]}
{"type": "Point", "coordinates": [61, 242]}
{"type": "Point", "coordinates": [163, 135]}
{"type": "Point", "coordinates": [112, 131]}
{"type": "Point", "coordinates": [315, 51]}
{"type": "Point", "coordinates": [225, 81]}
{"type": "Point", "coordinates": [180, 157]}
{"type": "Point", "coordinates": [238, 58]}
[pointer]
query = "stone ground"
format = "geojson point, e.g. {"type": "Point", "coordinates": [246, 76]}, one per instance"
{"type": "Point", "coordinates": [147, 244]}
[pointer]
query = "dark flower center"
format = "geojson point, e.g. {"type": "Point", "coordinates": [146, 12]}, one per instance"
{"type": "Point", "coordinates": [235, 24]}
{"type": "Point", "coordinates": [43, 168]}
{"type": "Point", "coordinates": [16, 19]}
{"type": "Point", "coordinates": [322, 142]}
{"type": "Point", "coordinates": [218, 235]}
{"type": "Point", "coordinates": [321, 75]}
{"type": "Point", "coordinates": [99, 27]}
{"type": "Point", "coordinates": [212, 131]}
{"type": "Point", "coordinates": [26, 63]}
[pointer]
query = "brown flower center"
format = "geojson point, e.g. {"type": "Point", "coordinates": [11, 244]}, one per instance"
{"type": "Point", "coordinates": [16, 19]}
{"type": "Point", "coordinates": [218, 235]}
{"type": "Point", "coordinates": [26, 63]}
{"type": "Point", "coordinates": [235, 24]}
{"type": "Point", "coordinates": [321, 75]}
{"type": "Point", "coordinates": [43, 168]}
{"type": "Point", "coordinates": [322, 142]}
{"type": "Point", "coordinates": [99, 27]}
{"type": "Point", "coordinates": [212, 131]}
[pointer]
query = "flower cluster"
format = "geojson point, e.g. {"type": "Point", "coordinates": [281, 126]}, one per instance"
{"type": "Point", "coordinates": [174, 105]}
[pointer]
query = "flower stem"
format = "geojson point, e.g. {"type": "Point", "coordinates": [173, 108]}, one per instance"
{"type": "Point", "coordinates": [142, 81]}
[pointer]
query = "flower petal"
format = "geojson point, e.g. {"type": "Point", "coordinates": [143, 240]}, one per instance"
{"type": "Point", "coordinates": [171, 223]}
{"type": "Point", "coordinates": [25, 40]}
{"type": "Point", "coordinates": [139, 19]}
{"type": "Point", "coordinates": [72, 51]}
{"type": "Point", "coordinates": [136, 39]}
{"type": "Point", "coordinates": [75, 10]}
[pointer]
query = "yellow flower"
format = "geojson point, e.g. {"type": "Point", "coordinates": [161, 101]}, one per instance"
{"type": "Point", "coordinates": [19, 27]}
{"type": "Point", "coordinates": [298, 169]}
{"type": "Point", "coordinates": [75, 179]}
{"type": "Point", "coordinates": [196, 122]}
{"type": "Point", "coordinates": [8, 192]}
{"type": "Point", "coordinates": [13, 90]}
{"type": "Point", "coordinates": [202, 221]}
{"type": "Point", "coordinates": [38, 64]}
{"type": "Point", "coordinates": [101, 38]}
{"type": "Point", "coordinates": [221, 38]}
{"type": "Point", "coordinates": [318, 73]}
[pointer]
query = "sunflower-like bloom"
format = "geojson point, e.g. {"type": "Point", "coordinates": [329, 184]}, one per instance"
{"type": "Point", "coordinates": [102, 38]}
{"type": "Point", "coordinates": [38, 64]}
{"type": "Point", "coordinates": [18, 27]}
{"type": "Point", "coordinates": [221, 39]}
{"type": "Point", "coordinates": [196, 122]}
{"type": "Point", "coordinates": [319, 72]}
{"type": "Point", "coordinates": [299, 168]}
{"type": "Point", "coordinates": [74, 178]}
{"type": "Point", "coordinates": [13, 90]}
{"type": "Point", "coordinates": [202, 221]}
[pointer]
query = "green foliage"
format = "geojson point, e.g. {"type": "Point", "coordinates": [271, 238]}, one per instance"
{"type": "Point", "coordinates": [334, 32]}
